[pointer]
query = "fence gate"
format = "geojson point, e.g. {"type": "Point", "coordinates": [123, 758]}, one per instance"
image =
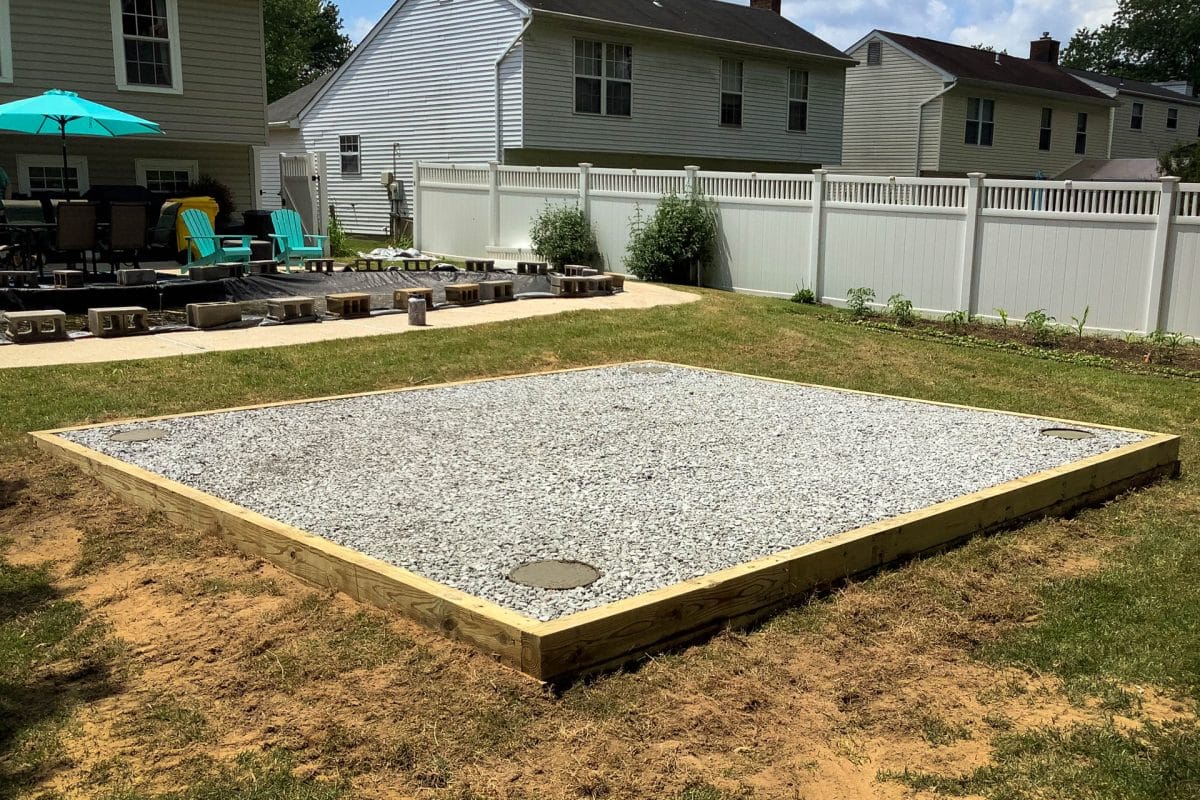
{"type": "Point", "coordinates": [302, 187]}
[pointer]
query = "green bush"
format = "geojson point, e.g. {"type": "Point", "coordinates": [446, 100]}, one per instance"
{"type": "Point", "coordinates": [1182, 161]}
{"type": "Point", "coordinates": [805, 296]}
{"type": "Point", "coordinates": [339, 244]}
{"type": "Point", "coordinates": [901, 309]}
{"type": "Point", "coordinates": [859, 301]}
{"type": "Point", "coordinates": [682, 232]}
{"type": "Point", "coordinates": [1041, 326]}
{"type": "Point", "coordinates": [562, 235]}
{"type": "Point", "coordinates": [208, 186]}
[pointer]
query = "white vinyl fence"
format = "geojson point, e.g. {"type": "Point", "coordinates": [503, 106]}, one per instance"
{"type": "Point", "coordinates": [1128, 252]}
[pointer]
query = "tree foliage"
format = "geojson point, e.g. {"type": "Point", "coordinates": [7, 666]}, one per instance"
{"type": "Point", "coordinates": [303, 40]}
{"type": "Point", "coordinates": [1148, 40]}
{"type": "Point", "coordinates": [1182, 161]}
{"type": "Point", "coordinates": [681, 233]}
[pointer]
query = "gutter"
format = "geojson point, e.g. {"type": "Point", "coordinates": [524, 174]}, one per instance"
{"type": "Point", "coordinates": [920, 125]}
{"type": "Point", "coordinates": [499, 100]}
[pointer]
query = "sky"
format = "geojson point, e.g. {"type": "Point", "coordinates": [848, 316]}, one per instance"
{"type": "Point", "coordinates": [1003, 24]}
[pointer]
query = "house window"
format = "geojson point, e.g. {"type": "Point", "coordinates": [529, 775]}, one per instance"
{"type": "Point", "coordinates": [1172, 118]}
{"type": "Point", "coordinates": [1081, 134]}
{"type": "Point", "coordinates": [6, 64]}
{"type": "Point", "coordinates": [874, 53]}
{"type": "Point", "coordinates": [981, 119]}
{"type": "Point", "coordinates": [798, 100]}
{"type": "Point", "coordinates": [603, 78]}
{"type": "Point", "coordinates": [1135, 117]}
{"type": "Point", "coordinates": [41, 174]}
{"type": "Point", "coordinates": [165, 176]}
{"type": "Point", "coordinates": [1044, 132]}
{"type": "Point", "coordinates": [350, 150]}
{"type": "Point", "coordinates": [146, 45]}
{"type": "Point", "coordinates": [732, 73]}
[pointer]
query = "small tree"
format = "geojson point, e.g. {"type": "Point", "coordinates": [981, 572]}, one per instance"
{"type": "Point", "coordinates": [682, 232]}
{"type": "Point", "coordinates": [562, 235]}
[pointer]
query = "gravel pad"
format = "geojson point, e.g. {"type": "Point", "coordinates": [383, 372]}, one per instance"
{"type": "Point", "coordinates": [651, 474]}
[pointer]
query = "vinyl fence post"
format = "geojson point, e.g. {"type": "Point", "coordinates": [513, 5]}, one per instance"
{"type": "Point", "coordinates": [690, 185]}
{"type": "Point", "coordinates": [1158, 264]}
{"type": "Point", "coordinates": [493, 203]}
{"type": "Point", "coordinates": [816, 265]}
{"type": "Point", "coordinates": [585, 190]}
{"type": "Point", "coordinates": [966, 279]}
{"type": "Point", "coordinates": [416, 205]}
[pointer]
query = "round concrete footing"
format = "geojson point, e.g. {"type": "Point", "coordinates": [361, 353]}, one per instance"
{"type": "Point", "coordinates": [140, 435]}
{"type": "Point", "coordinates": [1067, 433]}
{"type": "Point", "coordinates": [555, 574]}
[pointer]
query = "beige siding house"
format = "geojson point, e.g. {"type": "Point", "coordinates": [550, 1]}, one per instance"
{"type": "Point", "coordinates": [1150, 118]}
{"type": "Point", "coordinates": [916, 106]}
{"type": "Point", "coordinates": [193, 66]}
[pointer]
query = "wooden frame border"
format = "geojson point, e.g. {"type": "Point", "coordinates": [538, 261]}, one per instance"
{"type": "Point", "coordinates": [618, 632]}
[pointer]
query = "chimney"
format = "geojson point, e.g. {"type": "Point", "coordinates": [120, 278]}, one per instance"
{"type": "Point", "coordinates": [768, 5]}
{"type": "Point", "coordinates": [1044, 49]}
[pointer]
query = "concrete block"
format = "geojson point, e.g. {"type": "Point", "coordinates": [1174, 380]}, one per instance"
{"type": "Point", "coordinates": [618, 280]}
{"type": "Point", "coordinates": [288, 309]}
{"type": "Point", "coordinates": [479, 265]}
{"type": "Point", "coordinates": [109, 323]}
{"type": "Point", "coordinates": [209, 272]}
{"type": "Point", "coordinates": [137, 277]}
{"type": "Point", "coordinates": [532, 267]}
{"type": "Point", "coordinates": [598, 284]}
{"type": "Point", "coordinates": [568, 286]}
{"type": "Point", "coordinates": [213, 315]}
{"type": "Point", "coordinates": [349, 304]}
{"type": "Point", "coordinates": [588, 272]}
{"type": "Point", "coordinates": [419, 264]}
{"type": "Point", "coordinates": [18, 279]}
{"type": "Point", "coordinates": [26, 327]}
{"type": "Point", "coordinates": [463, 294]}
{"type": "Point", "coordinates": [262, 268]}
{"type": "Point", "coordinates": [68, 279]}
{"type": "Point", "coordinates": [401, 297]}
{"type": "Point", "coordinates": [576, 270]}
{"type": "Point", "coordinates": [370, 264]}
{"type": "Point", "coordinates": [496, 291]}
{"type": "Point", "coordinates": [318, 264]}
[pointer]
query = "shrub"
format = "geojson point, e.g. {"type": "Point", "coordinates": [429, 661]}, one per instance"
{"type": "Point", "coordinates": [682, 232]}
{"type": "Point", "coordinates": [1182, 161]}
{"type": "Point", "coordinates": [805, 296]}
{"type": "Point", "coordinates": [339, 243]}
{"type": "Point", "coordinates": [901, 308]}
{"type": "Point", "coordinates": [208, 186]}
{"type": "Point", "coordinates": [1042, 327]}
{"type": "Point", "coordinates": [562, 235]}
{"type": "Point", "coordinates": [859, 300]}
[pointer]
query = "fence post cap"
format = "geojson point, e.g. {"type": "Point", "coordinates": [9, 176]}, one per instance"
{"type": "Point", "coordinates": [1169, 180]}
{"type": "Point", "coordinates": [585, 165]}
{"type": "Point", "coordinates": [692, 167]}
{"type": "Point", "coordinates": [977, 175]}
{"type": "Point", "coordinates": [493, 164]}
{"type": "Point", "coordinates": [821, 171]}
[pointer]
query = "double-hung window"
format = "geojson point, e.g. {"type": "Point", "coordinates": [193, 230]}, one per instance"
{"type": "Point", "coordinates": [798, 100]}
{"type": "Point", "coordinates": [732, 75]}
{"type": "Point", "coordinates": [1044, 132]}
{"type": "Point", "coordinates": [44, 174]}
{"type": "Point", "coordinates": [146, 45]}
{"type": "Point", "coordinates": [1172, 118]}
{"type": "Point", "coordinates": [603, 78]}
{"type": "Point", "coordinates": [981, 121]}
{"type": "Point", "coordinates": [1135, 117]}
{"type": "Point", "coordinates": [165, 176]}
{"type": "Point", "coordinates": [1081, 134]}
{"type": "Point", "coordinates": [349, 148]}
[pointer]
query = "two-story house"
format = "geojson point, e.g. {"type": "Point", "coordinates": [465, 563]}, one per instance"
{"type": "Point", "coordinates": [193, 66]}
{"type": "Point", "coordinates": [917, 106]}
{"type": "Point", "coordinates": [623, 83]}
{"type": "Point", "coordinates": [1150, 119]}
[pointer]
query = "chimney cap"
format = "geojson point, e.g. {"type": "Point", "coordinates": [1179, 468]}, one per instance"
{"type": "Point", "coordinates": [1045, 34]}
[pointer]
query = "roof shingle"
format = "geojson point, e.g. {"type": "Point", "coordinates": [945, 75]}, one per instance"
{"type": "Point", "coordinates": [1128, 85]}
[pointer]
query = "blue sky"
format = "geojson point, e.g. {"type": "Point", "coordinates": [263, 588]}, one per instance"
{"type": "Point", "coordinates": [1005, 24]}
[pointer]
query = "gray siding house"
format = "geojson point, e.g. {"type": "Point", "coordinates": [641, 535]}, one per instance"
{"type": "Point", "coordinates": [621, 83]}
{"type": "Point", "coordinates": [193, 66]}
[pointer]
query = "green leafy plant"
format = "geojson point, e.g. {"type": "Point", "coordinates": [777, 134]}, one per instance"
{"type": "Point", "coordinates": [1164, 345]}
{"type": "Point", "coordinates": [339, 243]}
{"type": "Point", "coordinates": [859, 301]}
{"type": "Point", "coordinates": [1080, 322]}
{"type": "Point", "coordinates": [562, 235]}
{"type": "Point", "coordinates": [1003, 315]}
{"type": "Point", "coordinates": [1041, 326]}
{"type": "Point", "coordinates": [805, 296]}
{"type": "Point", "coordinates": [901, 308]}
{"type": "Point", "coordinates": [957, 320]}
{"type": "Point", "coordinates": [682, 233]}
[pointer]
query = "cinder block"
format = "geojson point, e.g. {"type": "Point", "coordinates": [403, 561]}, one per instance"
{"type": "Point", "coordinates": [400, 298]}
{"type": "Point", "coordinates": [26, 327]}
{"type": "Point", "coordinates": [136, 277]}
{"type": "Point", "coordinates": [463, 294]}
{"type": "Point", "coordinates": [370, 264]}
{"type": "Point", "coordinates": [568, 286]}
{"type": "Point", "coordinates": [109, 323]}
{"type": "Point", "coordinates": [618, 280]}
{"type": "Point", "coordinates": [419, 264]}
{"type": "Point", "coordinates": [576, 270]}
{"type": "Point", "coordinates": [319, 264]}
{"type": "Point", "coordinates": [213, 315]}
{"type": "Point", "coordinates": [288, 309]}
{"type": "Point", "coordinates": [349, 304]}
{"type": "Point", "coordinates": [532, 267]}
{"type": "Point", "coordinates": [18, 279]}
{"type": "Point", "coordinates": [68, 279]}
{"type": "Point", "coordinates": [598, 284]}
{"type": "Point", "coordinates": [209, 272]}
{"type": "Point", "coordinates": [262, 268]}
{"type": "Point", "coordinates": [496, 291]}
{"type": "Point", "coordinates": [479, 265]}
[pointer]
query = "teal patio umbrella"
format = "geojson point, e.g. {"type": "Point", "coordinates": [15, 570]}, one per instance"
{"type": "Point", "coordinates": [64, 114]}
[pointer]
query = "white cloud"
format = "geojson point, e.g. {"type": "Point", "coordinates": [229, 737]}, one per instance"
{"type": "Point", "coordinates": [358, 27]}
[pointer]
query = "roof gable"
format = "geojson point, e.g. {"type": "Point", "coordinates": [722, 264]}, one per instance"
{"type": "Point", "coordinates": [1130, 86]}
{"type": "Point", "coordinates": [712, 19]}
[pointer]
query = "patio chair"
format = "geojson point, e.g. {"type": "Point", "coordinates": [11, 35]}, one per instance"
{"type": "Point", "coordinates": [23, 211]}
{"type": "Point", "coordinates": [291, 242]}
{"type": "Point", "coordinates": [162, 236]}
{"type": "Point", "coordinates": [126, 232]}
{"type": "Point", "coordinates": [206, 247]}
{"type": "Point", "coordinates": [76, 232]}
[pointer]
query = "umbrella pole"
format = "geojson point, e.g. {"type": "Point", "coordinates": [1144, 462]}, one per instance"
{"type": "Point", "coordinates": [66, 184]}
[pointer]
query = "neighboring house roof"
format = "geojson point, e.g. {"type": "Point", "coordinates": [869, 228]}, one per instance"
{"type": "Point", "coordinates": [288, 108]}
{"type": "Point", "coordinates": [710, 19]}
{"type": "Point", "coordinates": [1112, 169]}
{"type": "Point", "coordinates": [1129, 86]}
{"type": "Point", "coordinates": [972, 65]}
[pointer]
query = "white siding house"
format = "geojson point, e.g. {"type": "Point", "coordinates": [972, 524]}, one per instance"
{"type": "Point", "coordinates": [477, 80]}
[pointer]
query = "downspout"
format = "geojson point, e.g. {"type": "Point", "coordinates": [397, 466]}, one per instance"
{"type": "Point", "coordinates": [499, 100]}
{"type": "Point", "coordinates": [921, 123]}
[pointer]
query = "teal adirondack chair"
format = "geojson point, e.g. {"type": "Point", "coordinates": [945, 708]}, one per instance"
{"type": "Point", "coordinates": [204, 246]}
{"type": "Point", "coordinates": [292, 244]}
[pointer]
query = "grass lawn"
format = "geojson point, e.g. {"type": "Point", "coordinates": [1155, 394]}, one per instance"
{"type": "Point", "coordinates": [139, 660]}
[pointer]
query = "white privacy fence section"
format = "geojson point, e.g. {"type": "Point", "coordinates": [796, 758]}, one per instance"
{"type": "Point", "coordinates": [1128, 252]}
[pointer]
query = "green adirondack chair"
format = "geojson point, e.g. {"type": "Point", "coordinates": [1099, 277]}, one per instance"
{"type": "Point", "coordinates": [204, 246]}
{"type": "Point", "coordinates": [292, 244]}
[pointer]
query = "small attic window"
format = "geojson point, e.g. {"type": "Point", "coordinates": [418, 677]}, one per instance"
{"type": "Point", "coordinates": [874, 53]}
